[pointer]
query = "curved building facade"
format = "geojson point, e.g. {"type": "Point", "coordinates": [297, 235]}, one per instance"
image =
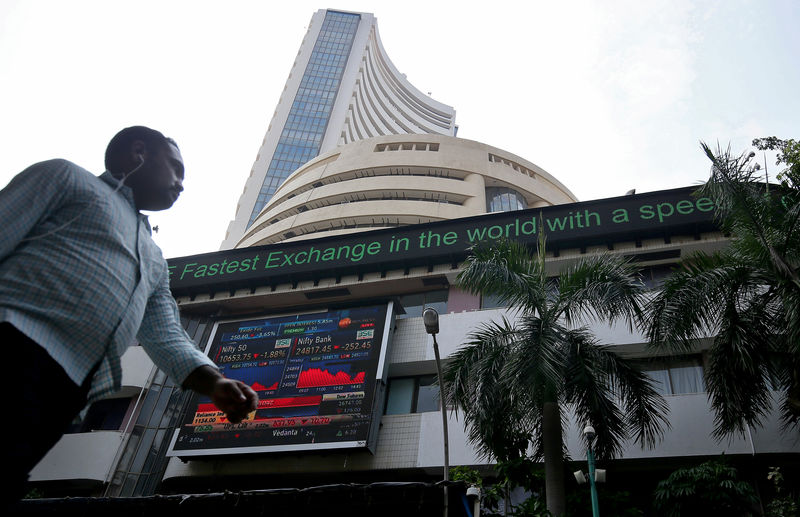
{"type": "Point", "coordinates": [399, 180]}
{"type": "Point", "coordinates": [342, 88]}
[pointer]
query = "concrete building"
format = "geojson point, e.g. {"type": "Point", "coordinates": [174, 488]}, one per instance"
{"type": "Point", "coordinates": [379, 207]}
{"type": "Point", "coordinates": [392, 181]}
{"type": "Point", "coordinates": [412, 267]}
{"type": "Point", "coordinates": [342, 88]}
{"type": "Point", "coordinates": [422, 274]}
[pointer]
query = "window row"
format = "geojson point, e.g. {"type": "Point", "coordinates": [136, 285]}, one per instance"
{"type": "Point", "coordinates": [296, 158]}
{"type": "Point", "coordinates": [334, 29]}
{"type": "Point", "coordinates": [283, 166]}
{"type": "Point", "coordinates": [328, 59]}
{"type": "Point", "coordinates": [298, 120]}
{"type": "Point", "coordinates": [323, 84]}
{"type": "Point", "coordinates": [340, 22]}
{"type": "Point", "coordinates": [651, 276]}
{"type": "Point", "coordinates": [412, 395]}
{"type": "Point", "coordinates": [303, 106]}
{"type": "Point", "coordinates": [322, 70]}
{"type": "Point", "coordinates": [333, 45]}
{"type": "Point", "coordinates": [420, 394]}
{"type": "Point", "coordinates": [404, 395]}
{"type": "Point", "coordinates": [289, 150]}
{"type": "Point", "coordinates": [315, 95]}
{"type": "Point", "coordinates": [676, 376]}
{"type": "Point", "coordinates": [294, 151]}
{"type": "Point", "coordinates": [296, 137]}
{"type": "Point", "coordinates": [312, 104]}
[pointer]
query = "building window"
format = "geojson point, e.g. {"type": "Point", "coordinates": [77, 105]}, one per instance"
{"type": "Point", "coordinates": [412, 395]}
{"type": "Point", "coordinates": [415, 303]}
{"type": "Point", "coordinates": [502, 199]}
{"type": "Point", "coordinates": [654, 276]}
{"type": "Point", "coordinates": [676, 376]}
{"type": "Point", "coordinates": [102, 415]}
{"type": "Point", "coordinates": [491, 301]}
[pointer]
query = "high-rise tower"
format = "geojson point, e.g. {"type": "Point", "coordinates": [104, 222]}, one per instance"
{"type": "Point", "coordinates": [342, 88]}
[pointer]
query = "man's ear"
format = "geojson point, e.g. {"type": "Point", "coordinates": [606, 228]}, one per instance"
{"type": "Point", "coordinates": [138, 152]}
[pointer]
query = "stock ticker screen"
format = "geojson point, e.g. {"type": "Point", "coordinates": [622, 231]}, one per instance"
{"type": "Point", "coordinates": [316, 376]}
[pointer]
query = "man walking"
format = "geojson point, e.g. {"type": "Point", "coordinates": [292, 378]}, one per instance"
{"type": "Point", "coordinates": [80, 281]}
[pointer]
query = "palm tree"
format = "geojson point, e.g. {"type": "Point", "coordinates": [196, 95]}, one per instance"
{"type": "Point", "coordinates": [514, 379]}
{"type": "Point", "coordinates": [746, 296]}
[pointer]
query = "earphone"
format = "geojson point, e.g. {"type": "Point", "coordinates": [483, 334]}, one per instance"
{"type": "Point", "coordinates": [121, 183]}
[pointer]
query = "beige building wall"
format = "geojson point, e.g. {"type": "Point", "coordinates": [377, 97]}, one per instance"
{"type": "Point", "coordinates": [397, 180]}
{"type": "Point", "coordinates": [412, 442]}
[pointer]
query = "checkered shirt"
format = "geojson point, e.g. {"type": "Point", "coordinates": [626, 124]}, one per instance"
{"type": "Point", "coordinates": [81, 275]}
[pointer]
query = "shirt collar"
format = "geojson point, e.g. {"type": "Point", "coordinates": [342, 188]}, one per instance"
{"type": "Point", "coordinates": [126, 192]}
{"type": "Point", "coordinates": [120, 187]}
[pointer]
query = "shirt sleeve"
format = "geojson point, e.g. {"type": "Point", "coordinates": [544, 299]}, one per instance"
{"type": "Point", "coordinates": [30, 197]}
{"type": "Point", "coordinates": [163, 337]}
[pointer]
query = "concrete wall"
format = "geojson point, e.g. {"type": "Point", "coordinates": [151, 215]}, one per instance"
{"type": "Point", "coordinates": [396, 180]}
{"type": "Point", "coordinates": [136, 369]}
{"type": "Point", "coordinates": [83, 456]}
{"type": "Point", "coordinates": [414, 441]}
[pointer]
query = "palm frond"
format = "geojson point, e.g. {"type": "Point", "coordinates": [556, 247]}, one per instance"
{"type": "Point", "coordinates": [689, 305]}
{"type": "Point", "coordinates": [645, 409]}
{"type": "Point", "coordinates": [494, 417]}
{"type": "Point", "coordinates": [537, 366]}
{"type": "Point", "coordinates": [590, 390]}
{"type": "Point", "coordinates": [508, 270]}
{"type": "Point", "coordinates": [744, 207]}
{"type": "Point", "coordinates": [604, 287]}
{"type": "Point", "coordinates": [734, 187]}
{"type": "Point", "coordinates": [738, 376]}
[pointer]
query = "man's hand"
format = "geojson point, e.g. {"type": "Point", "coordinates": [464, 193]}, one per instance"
{"type": "Point", "coordinates": [234, 398]}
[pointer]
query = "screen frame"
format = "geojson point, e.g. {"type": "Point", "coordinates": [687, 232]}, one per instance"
{"type": "Point", "coordinates": [381, 372]}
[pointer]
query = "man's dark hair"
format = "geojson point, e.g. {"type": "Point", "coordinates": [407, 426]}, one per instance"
{"type": "Point", "coordinates": [121, 144]}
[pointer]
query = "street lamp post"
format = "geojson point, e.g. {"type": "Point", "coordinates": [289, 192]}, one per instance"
{"type": "Point", "coordinates": [431, 320]}
{"type": "Point", "coordinates": [589, 433]}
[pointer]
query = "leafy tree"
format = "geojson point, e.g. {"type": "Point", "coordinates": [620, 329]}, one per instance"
{"type": "Point", "coordinates": [781, 505]}
{"type": "Point", "coordinates": [533, 506]}
{"type": "Point", "coordinates": [490, 494]}
{"type": "Point", "coordinates": [513, 379]}
{"type": "Point", "coordinates": [711, 488]}
{"type": "Point", "coordinates": [746, 296]}
{"type": "Point", "coordinates": [788, 155]}
{"type": "Point", "coordinates": [520, 472]}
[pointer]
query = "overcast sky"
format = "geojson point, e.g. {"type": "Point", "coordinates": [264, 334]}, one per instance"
{"type": "Point", "coordinates": [606, 95]}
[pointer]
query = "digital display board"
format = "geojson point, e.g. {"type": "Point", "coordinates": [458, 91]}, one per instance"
{"type": "Point", "coordinates": [590, 223]}
{"type": "Point", "coordinates": [318, 377]}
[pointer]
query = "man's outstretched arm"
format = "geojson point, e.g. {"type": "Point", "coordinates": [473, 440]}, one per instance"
{"type": "Point", "coordinates": [234, 398]}
{"type": "Point", "coordinates": [171, 348]}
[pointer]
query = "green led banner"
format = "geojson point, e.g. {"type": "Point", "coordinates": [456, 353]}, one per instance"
{"type": "Point", "coordinates": [601, 221]}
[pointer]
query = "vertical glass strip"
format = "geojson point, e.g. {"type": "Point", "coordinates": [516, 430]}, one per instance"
{"type": "Point", "coordinates": [308, 118]}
